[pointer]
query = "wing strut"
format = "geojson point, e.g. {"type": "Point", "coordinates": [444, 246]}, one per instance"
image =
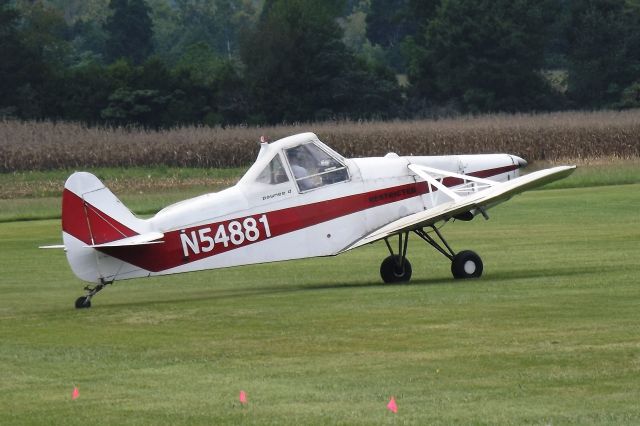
{"type": "Point", "coordinates": [436, 177]}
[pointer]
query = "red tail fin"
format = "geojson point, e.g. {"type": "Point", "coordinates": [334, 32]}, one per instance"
{"type": "Point", "coordinates": [92, 215]}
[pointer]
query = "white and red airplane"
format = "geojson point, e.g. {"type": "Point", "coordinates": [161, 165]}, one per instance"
{"type": "Point", "coordinates": [299, 199]}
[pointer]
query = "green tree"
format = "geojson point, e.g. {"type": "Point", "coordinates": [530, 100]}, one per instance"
{"type": "Point", "coordinates": [396, 25]}
{"type": "Point", "coordinates": [182, 23]}
{"type": "Point", "coordinates": [139, 94]}
{"type": "Point", "coordinates": [129, 31]}
{"type": "Point", "coordinates": [485, 55]}
{"type": "Point", "coordinates": [45, 32]}
{"type": "Point", "coordinates": [211, 85]}
{"type": "Point", "coordinates": [88, 41]}
{"type": "Point", "coordinates": [298, 69]}
{"type": "Point", "coordinates": [12, 58]}
{"type": "Point", "coordinates": [604, 52]}
{"type": "Point", "coordinates": [389, 22]}
{"type": "Point", "coordinates": [86, 88]}
{"type": "Point", "coordinates": [27, 41]}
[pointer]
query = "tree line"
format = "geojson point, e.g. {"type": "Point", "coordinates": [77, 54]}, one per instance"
{"type": "Point", "coordinates": [163, 63]}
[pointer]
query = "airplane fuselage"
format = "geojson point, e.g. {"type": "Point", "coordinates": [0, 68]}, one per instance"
{"type": "Point", "coordinates": [251, 223]}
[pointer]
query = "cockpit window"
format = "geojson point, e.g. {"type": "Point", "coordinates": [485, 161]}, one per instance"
{"type": "Point", "coordinates": [274, 173]}
{"type": "Point", "coordinates": [312, 167]}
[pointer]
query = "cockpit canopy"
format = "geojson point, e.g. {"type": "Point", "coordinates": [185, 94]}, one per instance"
{"type": "Point", "coordinates": [302, 159]}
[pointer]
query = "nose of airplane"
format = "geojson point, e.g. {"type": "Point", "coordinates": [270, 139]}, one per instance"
{"type": "Point", "coordinates": [520, 161]}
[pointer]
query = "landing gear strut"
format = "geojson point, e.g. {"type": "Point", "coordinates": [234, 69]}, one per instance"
{"type": "Point", "coordinates": [396, 268]}
{"type": "Point", "coordinates": [84, 302]}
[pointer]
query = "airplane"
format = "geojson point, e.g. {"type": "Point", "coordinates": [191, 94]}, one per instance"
{"type": "Point", "coordinates": [299, 199]}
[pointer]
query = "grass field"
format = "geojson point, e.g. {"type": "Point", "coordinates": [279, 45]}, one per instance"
{"type": "Point", "coordinates": [549, 335]}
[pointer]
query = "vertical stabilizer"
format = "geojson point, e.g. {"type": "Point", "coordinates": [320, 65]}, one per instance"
{"type": "Point", "coordinates": [92, 215]}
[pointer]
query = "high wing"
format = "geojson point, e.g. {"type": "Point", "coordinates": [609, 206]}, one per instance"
{"type": "Point", "coordinates": [474, 195]}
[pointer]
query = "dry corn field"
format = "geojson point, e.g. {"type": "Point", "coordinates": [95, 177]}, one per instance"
{"type": "Point", "coordinates": [578, 136]}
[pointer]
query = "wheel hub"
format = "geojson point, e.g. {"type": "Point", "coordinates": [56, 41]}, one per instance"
{"type": "Point", "coordinates": [469, 267]}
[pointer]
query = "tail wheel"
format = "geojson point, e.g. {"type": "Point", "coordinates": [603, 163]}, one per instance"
{"type": "Point", "coordinates": [395, 269]}
{"type": "Point", "coordinates": [466, 264]}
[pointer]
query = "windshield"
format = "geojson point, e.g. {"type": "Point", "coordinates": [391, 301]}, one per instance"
{"type": "Point", "coordinates": [274, 173]}
{"type": "Point", "coordinates": [312, 167]}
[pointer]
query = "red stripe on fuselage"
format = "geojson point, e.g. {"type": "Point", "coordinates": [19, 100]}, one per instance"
{"type": "Point", "coordinates": [493, 172]}
{"type": "Point", "coordinates": [159, 257]}
{"type": "Point", "coordinates": [454, 181]}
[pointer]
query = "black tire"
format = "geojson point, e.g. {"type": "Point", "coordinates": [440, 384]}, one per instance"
{"type": "Point", "coordinates": [83, 302]}
{"type": "Point", "coordinates": [466, 264]}
{"type": "Point", "coordinates": [391, 273]}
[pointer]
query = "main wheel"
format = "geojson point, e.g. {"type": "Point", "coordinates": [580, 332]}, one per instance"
{"type": "Point", "coordinates": [466, 264]}
{"type": "Point", "coordinates": [83, 302]}
{"type": "Point", "coordinates": [391, 272]}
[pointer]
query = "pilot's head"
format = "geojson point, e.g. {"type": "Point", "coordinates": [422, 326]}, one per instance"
{"type": "Point", "coordinates": [296, 155]}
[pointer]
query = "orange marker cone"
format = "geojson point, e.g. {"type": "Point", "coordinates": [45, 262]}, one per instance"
{"type": "Point", "coordinates": [75, 394]}
{"type": "Point", "coordinates": [243, 397]}
{"type": "Point", "coordinates": [391, 406]}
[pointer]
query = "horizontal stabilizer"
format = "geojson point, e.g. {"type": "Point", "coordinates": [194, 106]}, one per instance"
{"type": "Point", "coordinates": [55, 246]}
{"type": "Point", "coordinates": [136, 240]}
{"type": "Point", "coordinates": [497, 193]}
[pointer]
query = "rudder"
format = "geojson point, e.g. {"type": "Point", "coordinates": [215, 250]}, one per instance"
{"type": "Point", "coordinates": [92, 215]}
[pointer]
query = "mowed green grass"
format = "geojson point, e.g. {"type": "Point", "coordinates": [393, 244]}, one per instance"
{"type": "Point", "coordinates": [549, 335]}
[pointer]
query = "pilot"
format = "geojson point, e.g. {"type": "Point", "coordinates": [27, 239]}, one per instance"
{"type": "Point", "coordinates": [296, 158]}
